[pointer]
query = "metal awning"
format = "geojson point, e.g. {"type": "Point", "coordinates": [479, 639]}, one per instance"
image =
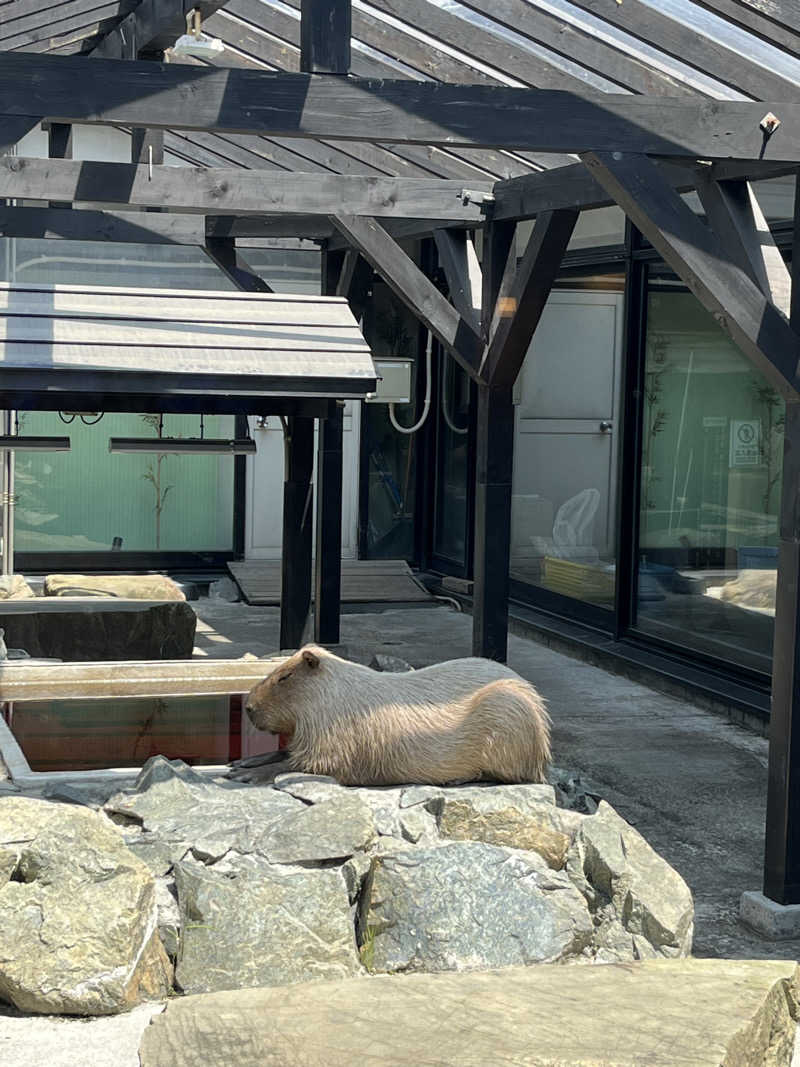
{"type": "Point", "coordinates": [88, 348]}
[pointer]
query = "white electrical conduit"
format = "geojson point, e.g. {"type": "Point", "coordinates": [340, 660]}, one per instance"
{"type": "Point", "coordinates": [427, 405]}
{"type": "Point", "coordinates": [450, 424]}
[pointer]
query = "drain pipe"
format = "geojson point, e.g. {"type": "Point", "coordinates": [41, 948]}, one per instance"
{"type": "Point", "coordinates": [7, 465]}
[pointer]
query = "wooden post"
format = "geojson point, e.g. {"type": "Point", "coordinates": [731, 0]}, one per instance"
{"type": "Point", "coordinates": [493, 470]}
{"type": "Point", "coordinates": [59, 146]}
{"type": "Point", "coordinates": [325, 36]}
{"type": "Point", "coordinates": [782, 838]}
{"type": "Point", "coordinates": [297, 528]}
{"type": "Point", "coordinates": [328, 562]}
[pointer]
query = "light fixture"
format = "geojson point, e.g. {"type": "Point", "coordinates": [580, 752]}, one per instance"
{"type": "Point", "coordinates": [184, 446]}
{"type": "Point", "coordinates": [21, 443]}
{"type": "Point", "coordinates": [196, 43]}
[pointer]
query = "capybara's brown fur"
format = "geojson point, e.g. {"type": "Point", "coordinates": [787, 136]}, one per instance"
{"type": "Point", "coordinates": [455, 721]}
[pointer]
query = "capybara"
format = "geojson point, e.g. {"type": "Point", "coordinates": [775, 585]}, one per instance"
{"type": "Point", "coordinates": [455, 721]}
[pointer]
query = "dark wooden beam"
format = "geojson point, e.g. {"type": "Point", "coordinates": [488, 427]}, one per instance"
{"type": "Point", "coordinates": [733, 212]}
{"type": "Point", "coordinates": [698, 257]}
{"type": "Point", "coordinates": [459, 261]}
{"type": "Point", "coordinates": [328, 560]}
{"type": "Point", "coordinates": [574, 187]}
{"type": "Point", "coordinates": [494, 467]}
{"type": "Point", "coordinates": [59, 146]}
{"type": "Point", "coordinates": [238, 191]}
{"type": "Point", "coordinates": [517, 315]}
{"type": "Point", "coordinates": [325, 36]}
{"type": "Point", "coordinates": [493, 473]}
{"type": "Point", "coordinates": [417, 292]}
{"type": "Point", "coordinates": [222, 252]}
{"type": "Point", "coordinates": [132, 227]}
{"type": "Point", "coordinates": [298, 512]}
{"type": "Point", "coordinates": [782, 836]}
{"type": "Point", "coordinates": [312, 105]}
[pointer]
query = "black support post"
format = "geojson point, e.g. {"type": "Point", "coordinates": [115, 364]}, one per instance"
{"type": "Point", "coordinates": [328, 562]}
{"type": "Point", "coordinates": [297, 531]}
{"type": "Point", "coordinates": [782, 839]}
{"type": "Point", "coordinates": [493, 470]}
{"type": "Point", "coordinates": [59, 146]}
{"type": "Point", "coordinates": [325, 36]}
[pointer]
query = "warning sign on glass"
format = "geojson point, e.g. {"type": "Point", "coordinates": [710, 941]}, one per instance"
{"type": "Point", "coordinates": [745, 443]}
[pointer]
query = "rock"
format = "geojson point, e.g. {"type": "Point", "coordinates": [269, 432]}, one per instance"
{"type": "Point", "coordinates": [121, 586]}
{"type": "Point", "coordinates": [169, 916]}
{"type": "Point", "coordinates": [160, 769]}
{"type": "Point", "coordinates": [334, 829]}
{"type": "Point", "coordinates": [77, 914]}
{"type": "Point", "coordinates": [467, 905]}
{"type": "Point", "coordinates": [84, 630]}
{"type": "Point", "coordinates": [703, 1013]}
{"type": "Point", "coordinates": [573, 791]}
{"type": "Point", "coordinates": [254, 924]}
{"type": "Point", "coordinates": [650, 899]}
{"type": "Point", "coordinates": [498, 819]}
{"type": "Point", "coordinates": [14, 587]}
{"type": "Point", "coordinates": [354, 872]}
{"type": "Point", "coordinates": [224, 589]}
{"type": "Point", "coordinates": [389, 664]}
{"type": "Point", "coordinates": [416, 824]}
{"type": "Point", "coordinates": [3, 648]}
{"type": "Point", "coordinates": [314, 788]}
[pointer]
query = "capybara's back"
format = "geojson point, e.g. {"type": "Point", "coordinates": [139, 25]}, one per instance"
{"type": "Point", "coordinates": [455, 721]}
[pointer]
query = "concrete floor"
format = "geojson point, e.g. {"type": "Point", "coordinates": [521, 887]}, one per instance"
{"type": "Point", "coordinates": [692, 783]}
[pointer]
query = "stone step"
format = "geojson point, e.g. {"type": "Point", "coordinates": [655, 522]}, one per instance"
{"type": "Point", "coordinates": [663, 1013]}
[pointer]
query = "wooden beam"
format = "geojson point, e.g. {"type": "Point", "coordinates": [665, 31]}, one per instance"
{"type": "Point", "coordinates": [498, 268]}
{"type": "Point", "coordinates": [699, 259]}
{"type": "Point", "coordinates": [313, 105]}
{"type": "Point", "coordinates": [222, 252]}
{"type": "Point", "coordinates": [325, 36]}
{"type": "Point", "coordinates": [733, 212]}
{"type": "Point", "coordinates": [242, 192]}
{"type": "Point", "coordinates": [59, 146]}
{"type": "Point", "coordinates": [417, 292]}
{"type": "Point", "coordinates": [517, 315]}
{"type": "Point", "coordinates": [297, 531]}
{"type": "Point", "coordinates": [459, 262]}
{"type": "Point", "coordinates": [782, 835]}
{"type": "Point", "coordinates": [131, 227]}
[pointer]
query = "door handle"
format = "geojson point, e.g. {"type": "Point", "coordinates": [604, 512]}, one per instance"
{"type": "Point", "coordinates": [605, 426]}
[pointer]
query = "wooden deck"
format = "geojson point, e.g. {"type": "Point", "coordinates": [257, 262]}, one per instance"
{"type": "Point", "coordinates": [364, 581]}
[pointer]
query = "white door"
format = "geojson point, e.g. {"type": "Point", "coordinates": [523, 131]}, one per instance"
{"type": "Point", "coordinates": [565, 455]}
{"type": "Point", "coordinates": [264, 513]}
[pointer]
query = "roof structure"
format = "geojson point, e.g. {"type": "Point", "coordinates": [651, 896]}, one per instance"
{"type": "Point", "coordinates": [221, 352]}
{"type": "Point", "coordinates": [714, 49]}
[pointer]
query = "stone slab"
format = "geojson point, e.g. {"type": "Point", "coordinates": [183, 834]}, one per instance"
{"type": "Point", "coordinates": [775, 922]}
{"type": "Point", "coordinates": [664, 1013]}
{"type": "Point", "coordinates": [98, 629]}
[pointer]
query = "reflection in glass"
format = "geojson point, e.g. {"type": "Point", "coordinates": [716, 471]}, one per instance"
{"type": "Point", "coordinates": [452, 454]}
{"type": "Point", "coordinates": [712, 450]}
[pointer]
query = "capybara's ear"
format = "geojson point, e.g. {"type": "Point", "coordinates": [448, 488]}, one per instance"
{"type": "Point", "coordinates": [311, 658]}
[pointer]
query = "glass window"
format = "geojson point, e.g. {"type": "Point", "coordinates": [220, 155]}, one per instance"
{"type": "Point", "coordinates": [563, 511]}
{"type": "Point", "coordinates": [88, 500]}
{"type": "Point", "coordinates": [712, 446]}
{"type": "Point", "coordinates": [452, 456]}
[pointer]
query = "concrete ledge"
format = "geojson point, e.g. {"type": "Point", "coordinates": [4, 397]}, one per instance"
{"type": "Point", "coordinates": [774, 922]}
{"type": "Point", "coordinates": [666, 1013]}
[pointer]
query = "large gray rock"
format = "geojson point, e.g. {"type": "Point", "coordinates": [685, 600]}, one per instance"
{"type": "Point", "coordinates": [246, 923]}
{"type": "Point", "coordinates": [511, 816]}
{"type": "Point", "coordinates": [612, 864]}
{"type": "Point", "coordinates": [179, 811]}
{"type": "Point", "coordinates": [77, 913]}
{"type": "Point", "coordinates": [333, 829]}
{"type": "Point", "coordinates": [99, 629]}
{"type": "Point", "coordinates": [466, 906]}
{"type": "Point", "coordinates": [670, 1013]}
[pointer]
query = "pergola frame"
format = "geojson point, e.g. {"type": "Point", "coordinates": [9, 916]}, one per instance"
{"type": "Point", "coordinates": [636, 151]}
